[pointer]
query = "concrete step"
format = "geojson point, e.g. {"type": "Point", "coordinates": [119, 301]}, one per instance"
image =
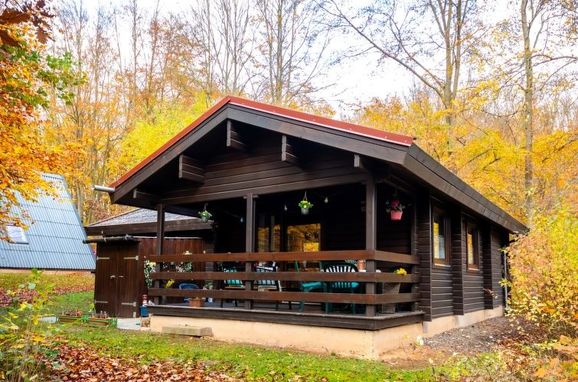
{"type": "Point", "coordinates": [195, 331]}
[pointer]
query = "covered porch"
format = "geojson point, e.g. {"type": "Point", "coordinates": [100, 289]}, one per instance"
{"type": "Point", "coordinates": [344, 264]}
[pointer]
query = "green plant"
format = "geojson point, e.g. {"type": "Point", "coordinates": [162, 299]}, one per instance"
{"type": "Point", "coordinates": [543, 268]}
{"type": "Point", "coordinates": [205, 215]}
{"type": "Point", "coordinates": [149, 267]}
{"type": "Point", "coordinates": [23, 336]}
{"type": "Point", "coordinates": [306, 204]}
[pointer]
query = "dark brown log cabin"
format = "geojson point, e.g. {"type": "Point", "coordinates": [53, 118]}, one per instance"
{"type": "Point", "coordinates": [250, 164]}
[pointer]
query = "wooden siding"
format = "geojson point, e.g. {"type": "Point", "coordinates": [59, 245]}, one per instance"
{"type": "Point", "coordinates": [424, 254]}
{"type": "Point", "coordinates": [262, 171]}
{"type": "Point", "coordinates": [458, 261]}
{"type": "Point", "coordinates": [474, 278]}
{"type": "Point", "coordinates": [493, 267]}
{"type": "Point", "coordinates": [441, 291]}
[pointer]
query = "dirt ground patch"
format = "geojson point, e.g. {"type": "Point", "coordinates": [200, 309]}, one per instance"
{"type": "Point", "coordinates": [474, 339]}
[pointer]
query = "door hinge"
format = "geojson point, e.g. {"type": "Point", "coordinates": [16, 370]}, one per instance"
{"type": "Point", "coordinates": [129, 303]}
{"type": "Point", "coordinates": [100, 302]}
{"type": "Point", "coordinates": [131, 258]}
{"type": "Point", "coordinates": [102, 258]}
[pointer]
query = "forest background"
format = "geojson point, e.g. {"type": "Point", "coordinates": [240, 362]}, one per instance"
{"type": "Point", "coordinates": [488, 89]}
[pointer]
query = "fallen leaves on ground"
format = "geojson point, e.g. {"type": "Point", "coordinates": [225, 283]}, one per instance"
{"type": "Point", "coordinates": [8, 297]}
{"type": "Point", "coordinates": [11, 291]}
{"type": "Point", "coordinates": [84, 364]}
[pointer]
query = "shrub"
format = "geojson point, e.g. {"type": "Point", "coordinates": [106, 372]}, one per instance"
{"type": "Point", "coordinates": [23, 337]}
{"type": "Point", "coordinates": [544, 271]}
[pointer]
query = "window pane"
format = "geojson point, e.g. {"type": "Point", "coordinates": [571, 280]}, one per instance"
{"type": "Point", "coordinates": [439, 242]}
{"type": "Point", "coordinates": [470, 245]}
{"type": "Point", "coordinates": [16, 235]}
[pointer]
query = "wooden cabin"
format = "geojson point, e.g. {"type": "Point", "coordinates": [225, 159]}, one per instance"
{"type": "Point", "coordinates": [352, 274]}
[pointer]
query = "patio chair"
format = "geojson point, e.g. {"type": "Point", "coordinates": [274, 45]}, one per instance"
{"type": "Point", "coordinates": [307, 286]}
{"type": "Point", "coordinates": [271, 285]}
{"type": "Point", "coordinates": [340, 286]}
{"type": "Point", "coordinates": [231, 284]}
{"type": "Point", "coordinates": [188, 286]}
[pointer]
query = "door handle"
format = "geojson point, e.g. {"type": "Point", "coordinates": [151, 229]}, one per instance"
{"type": "Point", "coordinates": [112, 276]}
{"type": "Point", "coordinates": [121, 277]}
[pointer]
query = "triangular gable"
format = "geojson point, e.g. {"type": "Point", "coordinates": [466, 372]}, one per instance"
{"type": "Point", "coordinates": [372, 143]}
{"type": "Point", "coordinates": [359, 130]}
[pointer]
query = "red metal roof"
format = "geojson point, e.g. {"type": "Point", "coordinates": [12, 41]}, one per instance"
{"type": "Point", "coordinates": [275, 110]}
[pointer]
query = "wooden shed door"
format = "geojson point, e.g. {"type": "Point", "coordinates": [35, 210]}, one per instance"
{"type": "Point", "coordinates": [105, 284]}
{"type": "Point", "coordinates": [128, 290]}
{"type": "Point", "coordinates": [117, 291]}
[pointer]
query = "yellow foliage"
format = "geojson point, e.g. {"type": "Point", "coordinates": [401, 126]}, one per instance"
{"type": "Point", "coordinates": [23, 154]}
{"type": "Point", "coordinates": [544, 271]}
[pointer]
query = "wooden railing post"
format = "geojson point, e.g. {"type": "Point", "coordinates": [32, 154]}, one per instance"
{"type": "Point", "coordinates": [249, 241]}
{"type": "Point", "coordinates": [160, 242]}
{"type": "Point", "coordinates": [370, 226]}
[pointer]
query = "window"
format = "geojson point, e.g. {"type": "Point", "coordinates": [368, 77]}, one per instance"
{"type": "Point", "coordinates": [16, 235]}
{"type": "Point", "coordinates": [472, 247]}
{"type": "Point", "coordinates": [441, 242]}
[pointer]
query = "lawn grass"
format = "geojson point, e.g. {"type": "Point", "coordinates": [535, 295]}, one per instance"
{"type": "Point", "coordinates": [253, 363]}
{"type": "Point", "coordinates": [61, 283]}
{"type": "Point", "coordinates": [62, 303]}
{"type": "Point", "coordinates": [244, 361]}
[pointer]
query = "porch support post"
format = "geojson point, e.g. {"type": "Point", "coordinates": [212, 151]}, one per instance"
{"type": "Point", "coordinates": [249, 241]}
{"type": "Point", "coordinates": [160, 228]}
{"type": "Point", "coordinates": [160, 242]}
{"type": "Point", "coordinates": [370, 227]}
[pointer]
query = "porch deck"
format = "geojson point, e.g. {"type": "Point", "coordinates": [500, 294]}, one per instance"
{"type": "Point", "coordinates": [273, 305]}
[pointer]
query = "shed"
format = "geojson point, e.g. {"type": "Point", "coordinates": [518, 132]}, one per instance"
{"type": "Point", "coordinates": [53, 238]}
{"type": "Point", "coordinates": [123, 243]}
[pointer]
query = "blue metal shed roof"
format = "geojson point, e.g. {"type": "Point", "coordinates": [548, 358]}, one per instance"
{"type": "Point", "coordinates": [55, 234]}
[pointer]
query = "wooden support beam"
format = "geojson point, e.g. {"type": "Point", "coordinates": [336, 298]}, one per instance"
{"type": "Point", "coordinates": [288, 152]}
{"type": "Point", "coordinates": [144, 196]}
{"type": "Point", "coordinates": [362, 163]}
{"type": "Point", "coordinates": [370, 236]}
{"type": "Point", "coordinates": [234, 138]}
{"type": "Point", "coordinates": [249, 241]}
{"type": "Point", "coordinates": [191, 169]}
{"type": "Point", "coordinates": [160, 242]}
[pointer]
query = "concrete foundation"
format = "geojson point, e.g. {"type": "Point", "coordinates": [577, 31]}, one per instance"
{"type": "Point", "coordinates": [346, 342]}
{"type": "Point", "coordinates": [442, 324]}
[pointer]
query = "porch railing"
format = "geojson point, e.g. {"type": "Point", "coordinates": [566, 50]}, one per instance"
{"type": "Point", "coordinates": [374, 258]}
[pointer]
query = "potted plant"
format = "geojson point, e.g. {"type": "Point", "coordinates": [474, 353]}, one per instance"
{"type": "Point", "coordinates": [395, 209]}
{"type": "Point", "coordinates": [205, 215]}
{"type": "Point", "coordinates": [392, 288]}
{"type": "Point", "coordinates": [305, 205]}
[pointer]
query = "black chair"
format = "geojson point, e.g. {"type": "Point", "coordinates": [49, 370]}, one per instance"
{"type": "Point", "coordinates": [307, 286]}
{"type": "Point", "coordinates": [231, 284]}
{"type": "Point", "coordinates": [271, 285]}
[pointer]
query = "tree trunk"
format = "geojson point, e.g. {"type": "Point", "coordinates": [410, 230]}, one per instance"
{"type": "Point", "coordinates": [528, 113]}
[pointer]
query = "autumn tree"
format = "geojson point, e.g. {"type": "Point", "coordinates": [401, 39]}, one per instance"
{"type": "Point", "coordinates": [292, 44]}
{"type": "Point", "coordinates": [27, 75]}
{"type": "Point", "coordinates": [430, 39]}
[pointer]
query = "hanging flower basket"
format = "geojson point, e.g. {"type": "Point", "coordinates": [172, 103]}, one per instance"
{"type": "Point", "coordinates": [205, 215]}
{"type": "Point", "coordinates": [305, 205]}
{"type": "Point", "coordinates": [395, 209]}
{"type": "Point", "coordinates": [395, 215]}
